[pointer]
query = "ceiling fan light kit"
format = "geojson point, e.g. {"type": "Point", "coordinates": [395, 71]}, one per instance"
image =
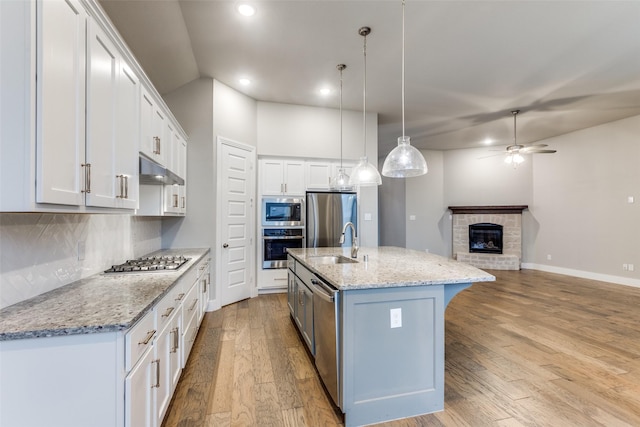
{"type": "Point", "coordinates": [515, 151]}
{"type": "Point", "coordinates": [340, 182]}
{"type": "Point", "coordinates": [404, 161]}
{"type": "Point", "coordinates": [365, 174]}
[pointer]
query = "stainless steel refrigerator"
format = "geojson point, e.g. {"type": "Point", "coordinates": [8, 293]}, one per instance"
{"type": "Point", "coordinates": [327, 213]}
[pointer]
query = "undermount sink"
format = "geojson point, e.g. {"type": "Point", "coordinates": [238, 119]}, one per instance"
{"type": "Point", "coordinates": [332, 259]}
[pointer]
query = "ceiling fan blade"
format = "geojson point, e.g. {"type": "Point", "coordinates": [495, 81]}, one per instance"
{"type": "Point", "coordinates": [541, 151]}
{"type": "Point", "coordinates": [532, 148]}
{"type": "Point", "coordinates": [490, 155]}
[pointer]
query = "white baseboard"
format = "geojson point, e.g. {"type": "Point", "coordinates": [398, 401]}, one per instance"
{"type": "Point", "coordinates": [583, 274]}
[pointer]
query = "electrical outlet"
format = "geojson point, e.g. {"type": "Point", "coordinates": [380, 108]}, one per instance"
{"type": "Point", "coordinates": [625, 267]}
{"type": "Point", "coordinates": [630, 199]}
{"type": "Point", "coordinates": [412, 217]}
{"type": "Point", "coordinates": [549, 257]}
{"type": "Point", "coordinates": [631, 267]}
{"type": "Point", "coordinates": [396, 317]}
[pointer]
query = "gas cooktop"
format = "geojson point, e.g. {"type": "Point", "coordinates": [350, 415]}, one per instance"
{"type": "Point", "coordinates": [153, 263]}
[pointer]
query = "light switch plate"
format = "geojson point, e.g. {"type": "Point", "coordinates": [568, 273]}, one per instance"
{"type": "Point", "coordinates": [367, 217]}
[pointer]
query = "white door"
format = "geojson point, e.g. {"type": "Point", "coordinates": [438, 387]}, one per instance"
{"type": "Point", "coordinates": [236, 175]}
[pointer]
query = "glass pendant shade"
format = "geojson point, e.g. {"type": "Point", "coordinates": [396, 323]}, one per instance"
{"type": "Point", "coordinates": [340, 182]}
{"type": "Point", "coordinates": [514, 159]}
{"type": "Point", "coordinates": [365, 174]}
{"type": "Point", "coordinates": [404, 161]}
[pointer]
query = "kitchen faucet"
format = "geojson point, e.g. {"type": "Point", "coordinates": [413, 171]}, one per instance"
{"type": "Point", "coordinates": [354, 244]}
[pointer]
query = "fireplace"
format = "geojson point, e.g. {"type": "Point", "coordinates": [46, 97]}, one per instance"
{"type": "Point", "coordinates": [485, 238]}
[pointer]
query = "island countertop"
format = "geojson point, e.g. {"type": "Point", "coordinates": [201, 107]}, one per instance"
{"type": "Point", "coordinates": [98, 303]}
{"type": "Point", "coordinates": [388, 266]}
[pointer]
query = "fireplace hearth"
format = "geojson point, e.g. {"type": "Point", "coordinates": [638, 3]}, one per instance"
{"type": "Point", "coordinates": [485, 238]}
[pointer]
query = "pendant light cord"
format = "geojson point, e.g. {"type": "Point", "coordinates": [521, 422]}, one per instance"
{"type": "Point", "coordinates": [341, 67]}
{"type": "Point", "coordinates": [364, 97]}
{"type": "Point", "coordinates": [403, 132]}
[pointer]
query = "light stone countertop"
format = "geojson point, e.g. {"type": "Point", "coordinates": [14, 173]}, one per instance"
{"type": "Point", "coordinates": [388, 267]}
{"type": "Point", "coordinates": [99, 303]}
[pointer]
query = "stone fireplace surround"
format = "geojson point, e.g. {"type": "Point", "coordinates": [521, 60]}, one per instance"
{"type": "Point", "coordinates": [510, 217]}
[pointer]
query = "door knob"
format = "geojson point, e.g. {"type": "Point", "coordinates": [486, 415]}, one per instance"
{"type": "Point", "coordinates": [226, 245]}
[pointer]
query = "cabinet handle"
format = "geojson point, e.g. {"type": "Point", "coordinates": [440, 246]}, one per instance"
{"type": "Point", "coordinates": [195, 334]}
{"type": "Point", "coordinates": [168, 312]}
{"type": "Point", "coordinates": [193, 305]}
{"type": "Point", "coordinates": [87, 177]}
{"type": "Point", "coordinates": [126, 186]}
{"type": "Point", "coordinates": [175, 200]}
{"type": "Point", "coordinates": [156, 140]}
{"type": "Point", "coordinates": [121, 185]}
{"type": "Point", "coordinates": [159, 145]}
{"type": "Point", "coordinates": [157, 384]}
{"type": "Point", "coordinates": [176, 341]}
{"type": "Point", "coordinates": [148, 338]}
{"type": "Point", "coordinates": [285, 187]}
{"type": "Point", "coordinates": [184, 202]}
{"type": "Point", "coordinates": [180, 296]}
{"type": "Point", "coordinates": [204, 286]}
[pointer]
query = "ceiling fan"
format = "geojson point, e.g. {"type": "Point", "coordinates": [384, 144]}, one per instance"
{"type": "Point", "coordinates": [515, 151]}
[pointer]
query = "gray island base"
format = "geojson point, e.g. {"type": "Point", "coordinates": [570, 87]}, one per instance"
{"type": "Point", "coordinates": [389, 321]}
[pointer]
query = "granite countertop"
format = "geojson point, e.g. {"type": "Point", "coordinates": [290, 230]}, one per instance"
{"type": "Point", "coordinates": [99, 303]}
{"type": "Point", "coordinates": [388, 267]}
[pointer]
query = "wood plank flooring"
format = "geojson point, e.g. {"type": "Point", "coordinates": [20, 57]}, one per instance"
{"type": "Point", "coordinates": [531, 349]}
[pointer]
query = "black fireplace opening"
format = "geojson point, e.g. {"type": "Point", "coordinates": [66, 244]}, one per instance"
{"type": "Point", "coordinates": [485, 238]}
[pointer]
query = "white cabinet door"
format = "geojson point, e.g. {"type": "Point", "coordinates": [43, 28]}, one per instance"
{"type": "Point", "coordinates": [282, 177]}
{"type": "Point", "coordinates": [139, 392]}
{"type": "Point", "coordinates": [103, 70]}
{"type": "Point", "coordinates": [162, 385]}
{"type": "Point", "coordinates": [175, 352]}
{"type": "Point", "coordinates": [127, 138]}
{"type": "Point", "coordinates": [147, 140]}
{"type": "Point", "coordinates": [159, 125]}
{"type": "Point", "coordinates": [271, 177]}
{"type": "Point", "coordinates": [318, 175]}
{"type": "Point", "coordinates": [294, 184]}
{"type": "Point", "coordinates": [61, 73]}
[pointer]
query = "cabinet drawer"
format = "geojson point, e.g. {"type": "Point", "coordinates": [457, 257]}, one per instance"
{"type": "Point", "coordinates": [169, 305]}
{"type": "Point", "coordinates": [190, 304]}
{"type": "Point", "coordinates": [139, 338]}
{"type": "Point", "coordinates": [304, 274]}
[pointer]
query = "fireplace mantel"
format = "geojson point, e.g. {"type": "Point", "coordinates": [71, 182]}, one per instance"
{"type": "Point", "coordinates": [507, 209]}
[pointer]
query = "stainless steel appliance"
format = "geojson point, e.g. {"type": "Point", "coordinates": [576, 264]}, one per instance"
{"type": "Point", "coordinates": [327, 213]}
{"type": "Point", "coordinates": [282, 212]}
{"type": "Point", "coordinates": [325, 333]}
{"type": "Point", "coordinates": [153, 263]}
{"type": "Point", "coordinates": [275, 242]}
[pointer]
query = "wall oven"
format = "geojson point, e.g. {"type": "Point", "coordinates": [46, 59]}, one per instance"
{"type": "Point", "coordinates": [275, 242]}
{"type": "Point", "coordinates": [283, 212]}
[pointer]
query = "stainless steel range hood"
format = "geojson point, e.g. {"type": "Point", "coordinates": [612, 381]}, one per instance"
{"type": "Point", "coordinates": [155, 174]}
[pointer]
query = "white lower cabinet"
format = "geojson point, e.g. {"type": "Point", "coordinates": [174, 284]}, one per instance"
{"type": "Point", "coordinates": [167, 366]}
{"type": "Point", "coordinates": [138, 391]}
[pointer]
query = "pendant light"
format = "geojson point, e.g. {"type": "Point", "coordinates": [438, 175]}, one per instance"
{"type": "Point", "coordinates": [404, 161]}
{"type": "Point", "coordinates": [513, 151]}
{"type": "Point", "coordinates": [365, 174]}
{"type": "Point", "coordinates": [340, 182]}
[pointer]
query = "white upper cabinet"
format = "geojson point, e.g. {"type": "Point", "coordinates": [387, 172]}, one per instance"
{"type": "Point", "coordinates": [282, 177]}
{"type": "Point", "coordinates": [74, 112]}
{"type": "Point", "coordinates": [318, 175]}
{"type": "Point", "coordinates": [127, 138]}
{"type": "Point", "coordinates": [102, 90]}
{"type": "Point", "coordinates": [61, 65]}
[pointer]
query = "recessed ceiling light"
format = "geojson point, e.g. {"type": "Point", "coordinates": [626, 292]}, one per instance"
{"type": "Point", "coordinates": [325, 91]}
{"type": "Point", "coordinates": [244, 81]}
{"type": "Point", "coordinates": [246, 10]}
{"type": "Point", "coordinates": [488, 141]}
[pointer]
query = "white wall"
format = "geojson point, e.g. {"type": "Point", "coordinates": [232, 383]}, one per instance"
{"type": "Point", "coordinates": [431, 228]}
{"type": "Point", "coordinates": [582, 218]}
{"type": "Point", "coordinates": [39, 252]}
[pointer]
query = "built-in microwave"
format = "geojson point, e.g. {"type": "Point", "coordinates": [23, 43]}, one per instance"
{"type": "Point", "coordinates": [282, 212]}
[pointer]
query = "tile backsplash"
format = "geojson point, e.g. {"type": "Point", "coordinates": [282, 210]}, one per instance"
{"type": "Point", "coordinates": [40, 252]}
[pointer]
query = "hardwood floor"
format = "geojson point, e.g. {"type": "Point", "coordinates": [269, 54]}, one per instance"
{"type": "Point", "coordinates": [531, 349]}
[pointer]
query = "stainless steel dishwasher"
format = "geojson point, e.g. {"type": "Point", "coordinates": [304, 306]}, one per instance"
{"type": "Point", "coordinates": [327, 338]}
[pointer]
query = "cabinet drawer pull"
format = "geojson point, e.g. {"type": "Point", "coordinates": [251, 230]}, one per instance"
{"type": "Point", "coordinates": [168, 312]}
{"type": "Point", "coordinates": [148, 338]}
{"type": "Point", "coordinates": [193, 305]}
{"type": "Point", "coordinates": [180, 296]}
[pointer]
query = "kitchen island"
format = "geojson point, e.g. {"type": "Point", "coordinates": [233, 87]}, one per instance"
{"type": "Point", "coordinates": [389, 321]}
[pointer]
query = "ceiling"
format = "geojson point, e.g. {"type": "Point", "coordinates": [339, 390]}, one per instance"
{"type": "Point", "coordinates": [566, 65]}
